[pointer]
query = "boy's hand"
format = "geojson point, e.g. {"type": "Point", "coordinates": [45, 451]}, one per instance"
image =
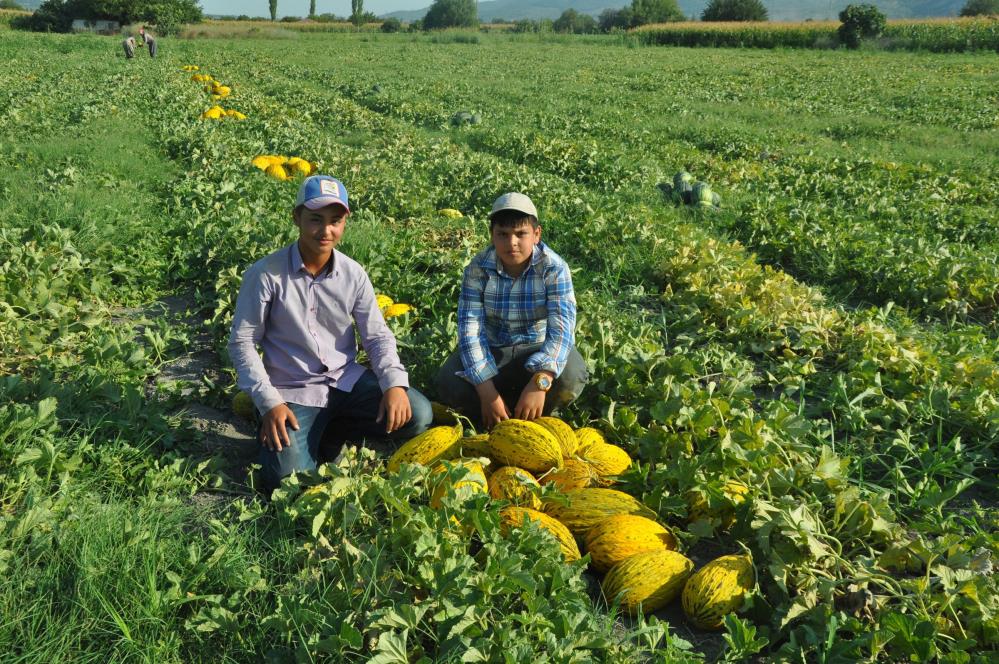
{"type": "Point", "coordinates": [531, 403]}
{"type": "Point", "coordinates": [494, 409]}
{"type": "Point", "coordinates": [394, 409]}
{"type": "Point", "coordinates": [273, 431]}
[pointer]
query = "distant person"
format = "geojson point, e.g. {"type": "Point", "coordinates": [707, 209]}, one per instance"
{"type": "Point", "coordinates": [516, 352]}
{"type": "Point", "coordinates": [149, 40]}
{"type": "Point", "coordinates": [129, 45]}
{"type": "Point", "coordinates": [301, 305]}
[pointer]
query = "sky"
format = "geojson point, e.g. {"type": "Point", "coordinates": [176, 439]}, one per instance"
{"type": "Point", "coordinates": [301, 7]}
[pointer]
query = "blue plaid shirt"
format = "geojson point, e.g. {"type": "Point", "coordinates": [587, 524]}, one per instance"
{"type": "Point", "coordinates": [496, 310]}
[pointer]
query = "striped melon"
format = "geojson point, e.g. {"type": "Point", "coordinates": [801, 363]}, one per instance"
{"type": "Point", "coordinates": [619, 537]}
{"type": "Point", "coordinates": [702, 195]}
{"type": "Point", "coordinates": [514, 517]}
{"type": "Point", "coordinates": [425, 448]}
{"type": "Point", "coordinates": [447, 478]}
{"type": "Point", "coordinates": [442, 414]}
{"type": "Point", "coordinates": [735, 494]}
{"type": "Point", "coordinates": [717, 589]}
{"type": "Point", "coordinates": [575, 474]}
{"type": "Point", "coordinates": [563, 433]}
{"type": "Point", "coordinates": [588, 436]}
{"type": "Point", "coordinates": [525, 445]}
{"type": "Point", "coordinates": [584, 508]}
{"type": "Point", "coordinates": [277, 171]}
{"type": "Point", "coordinates": [647, 581]}
{"type": "Point", "coordinates": [471, 446]}
{"type": "Point", "coordinates": [607, 461]}
{"type": "Point", "coordinates": [515, 485]}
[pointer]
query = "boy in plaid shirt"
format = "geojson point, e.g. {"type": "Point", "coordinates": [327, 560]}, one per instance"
{"type": "Point", "coordinates": [516, 352]}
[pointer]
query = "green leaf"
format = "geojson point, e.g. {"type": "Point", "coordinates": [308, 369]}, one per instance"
{"type": "Point", "coordinates": [391, 648]}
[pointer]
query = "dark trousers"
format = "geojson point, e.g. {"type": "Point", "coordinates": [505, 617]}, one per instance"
{"type": "Point", "coordinates": [152, 47]}
{"type": "Point", "coordinates": [348, 416]}
{"type": "Point", "coordinates": [460, 394]}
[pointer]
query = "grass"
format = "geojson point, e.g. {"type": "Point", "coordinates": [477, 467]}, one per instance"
{"type": "Point", "coordinates": [120, 547]}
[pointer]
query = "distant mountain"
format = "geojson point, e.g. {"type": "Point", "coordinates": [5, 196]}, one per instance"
{"type": "Point", "coordinates": [516, 9]}
{"type": "Point", "coordinates": [30, 5]}
{"type": "Point", "coordinates": [780, 10]}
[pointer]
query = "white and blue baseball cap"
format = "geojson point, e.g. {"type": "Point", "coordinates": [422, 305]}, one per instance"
{"type": "Point", "coordinates": [318, 191]}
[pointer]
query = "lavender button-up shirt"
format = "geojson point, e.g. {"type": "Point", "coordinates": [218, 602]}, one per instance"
{"type": "Point", "coordinates": [305, 327]}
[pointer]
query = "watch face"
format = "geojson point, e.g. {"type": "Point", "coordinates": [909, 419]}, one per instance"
{"type": "Point", "coordinates": [544, 382]}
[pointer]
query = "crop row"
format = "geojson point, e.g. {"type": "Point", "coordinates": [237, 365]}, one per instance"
{"type": "Point", "coordinates": [939, 36]}
{"type": "Point", "coordinates": [923, 231]}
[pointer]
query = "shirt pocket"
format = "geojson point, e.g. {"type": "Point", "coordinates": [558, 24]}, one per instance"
{"type": "Point", "coordinates": [332, 315]}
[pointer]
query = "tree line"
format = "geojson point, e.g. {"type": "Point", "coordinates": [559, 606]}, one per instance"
{"type": "Point", "coordinates": [169, 15]}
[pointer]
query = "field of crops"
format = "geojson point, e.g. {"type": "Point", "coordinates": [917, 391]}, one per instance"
{"type": "Point", "coordinates": [827, 338]}
{"type": "Point", "coordinates": [943, 35]}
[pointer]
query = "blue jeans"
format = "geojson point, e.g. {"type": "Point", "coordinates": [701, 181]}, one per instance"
{"type": "Point", "coordinates": [352, 414]}
{"type": "Point", "coordinates": [460, 394]}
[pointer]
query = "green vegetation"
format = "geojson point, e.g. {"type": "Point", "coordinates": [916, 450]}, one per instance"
{"type": "Point", "coordinates": [574, 22]}
{"type": "Point", "coordinates": [981, 8]}
{"type": "Point", "coordinates": [857, 398]}
{"type": "Point", "coordinates": [940, 36]}
{"type": "Point", "coordinates": [451, 14]}
{"type": "Point", "coordinates": [58, 15]}
{"type": "Point", "coordinates": [860, 22]}
{"type": "Point", "coordinates": [734, 10]}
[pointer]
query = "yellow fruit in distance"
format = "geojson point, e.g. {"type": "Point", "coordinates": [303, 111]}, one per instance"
{"type": "Point", "coordinates": [277, 171]}
{"type": "Point", "coordinates": [397, 310]}
{"type": "Point", "coordinates": [302, 167]}
{"type": "Point", "coordinates": [383, 301]}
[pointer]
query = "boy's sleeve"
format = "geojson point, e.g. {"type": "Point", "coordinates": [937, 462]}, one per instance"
{"type": "Point", "coordinates": [248, 326]}
{"type": "Point", "coordinates": [560, 335]}
{"type": "Point", "coordinates": [473, 344]}
{"type": "Point", "coordinates": [377, 339]}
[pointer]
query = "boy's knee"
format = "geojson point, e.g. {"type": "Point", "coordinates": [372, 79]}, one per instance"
{"type": "Point", "coordinates": [295, 458]}
{"type": "Point", "coordinates": [453, 390]}
{"type": "Point", "coordinates": [423, 413]}
{"type": "Point", "coordinates": [571, 381]}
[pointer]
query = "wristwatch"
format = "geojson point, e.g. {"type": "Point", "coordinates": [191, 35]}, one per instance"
{"type": "Point", "coordinates": [543, 381]}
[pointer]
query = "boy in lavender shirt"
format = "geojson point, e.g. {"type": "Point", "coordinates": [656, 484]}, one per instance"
{"type": "Point", "coordinates": [300, 305]}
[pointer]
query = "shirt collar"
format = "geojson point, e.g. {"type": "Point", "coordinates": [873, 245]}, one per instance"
{"type": "Point", "coordinates": [298, 264]}
{"type": "Point", "coordinates": [489, 261]}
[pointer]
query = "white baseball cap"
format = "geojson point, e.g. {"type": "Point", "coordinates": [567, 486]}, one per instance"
{"type": "Point", "coordinates": [514, 201]}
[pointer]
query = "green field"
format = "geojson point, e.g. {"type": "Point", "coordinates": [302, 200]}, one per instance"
{"type": "Point", "coordinates": [827, 337]}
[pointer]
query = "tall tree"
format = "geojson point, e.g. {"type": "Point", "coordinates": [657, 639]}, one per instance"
{"type": "Point", "coordinates": [980, 8]}
{"type": "Point", "coordinates": [312, 8]}
{"type": "Point", "coordinates": [734, 10]}
{"type": "Point", "coordinates": [357, 11]}
{"type": "Point", "coordinates": [655, 11]}
{"type": "Point", "coordinates": [167, 15]}
{"type": "Point", "coordinates": [273, 7]}
{"type": "Point", "coordinates": [451, 14]}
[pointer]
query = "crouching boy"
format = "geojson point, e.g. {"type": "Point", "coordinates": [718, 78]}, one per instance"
{"type": "Point", "coordinates": [300, 305]}
{"type": "Point", "coordinates": [516, 325]}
